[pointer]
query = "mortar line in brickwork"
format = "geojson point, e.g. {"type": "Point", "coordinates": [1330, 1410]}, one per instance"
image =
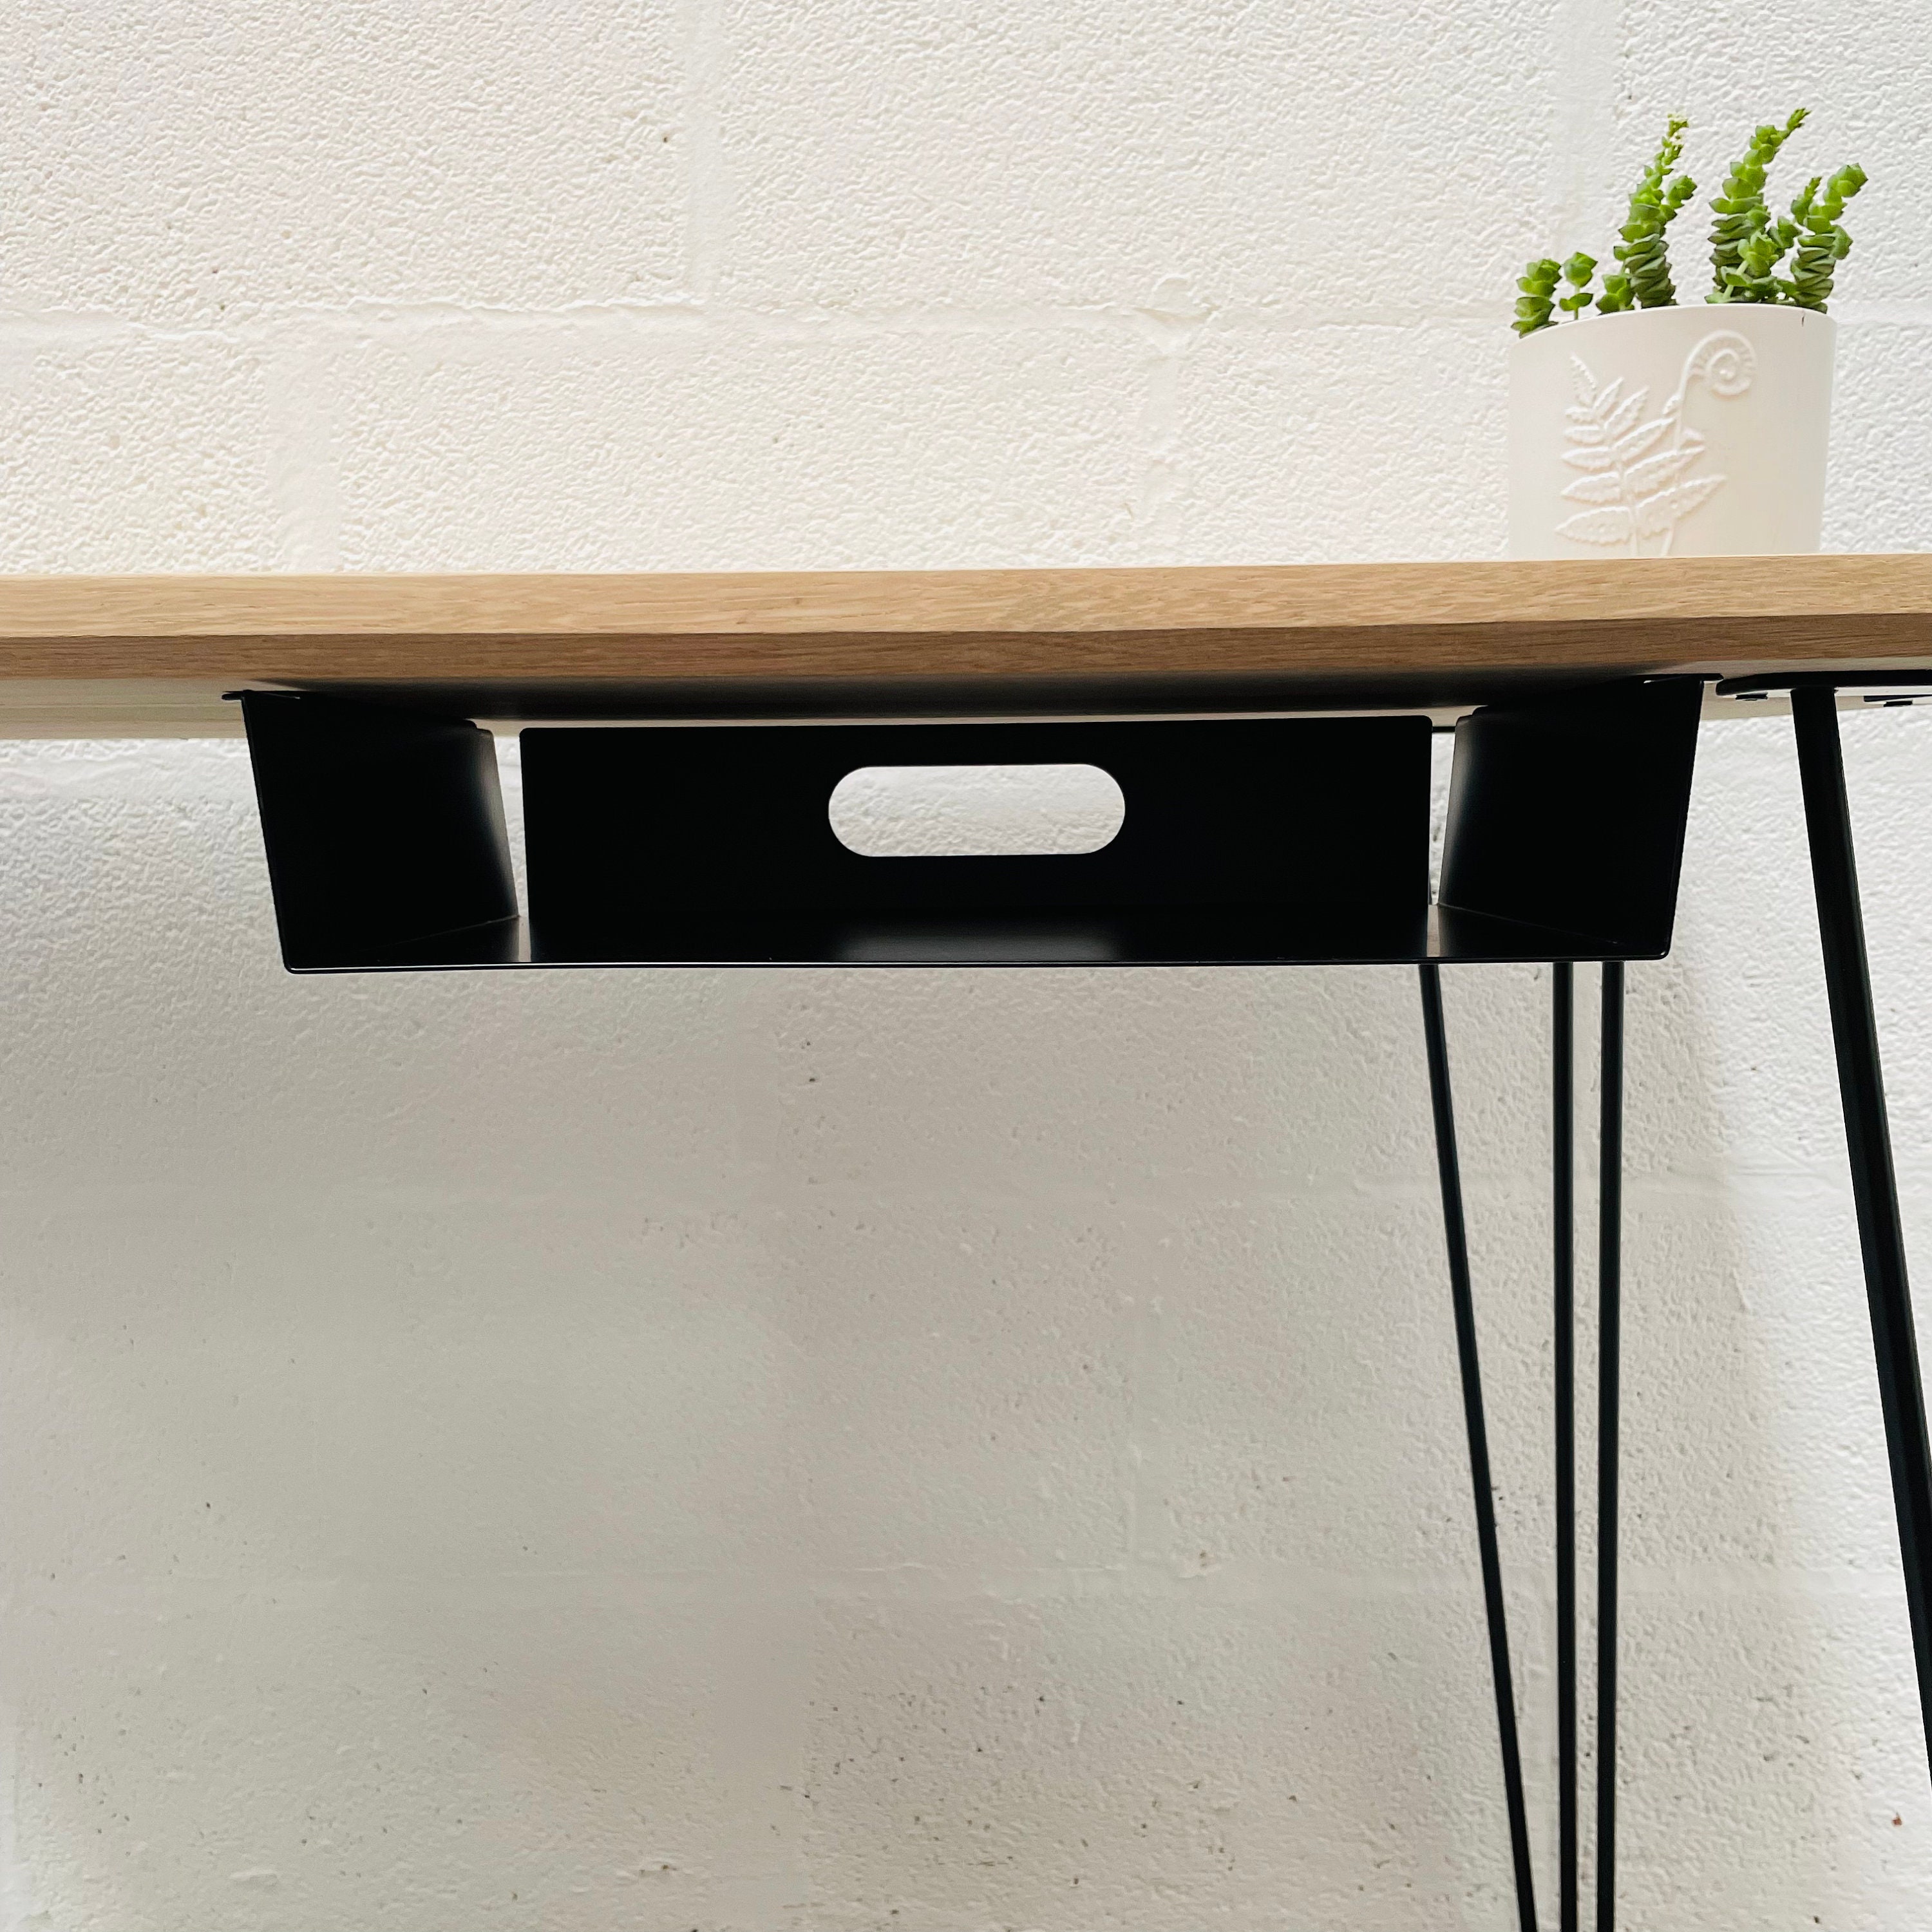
{"type": "Point", "coordinates": [707, 194]}
{"type": "Point", "coordinates": [1142, 1439]}
{"type": "Point", "coordinates": [1232, 1582]}
{"type": "Point", "coordinates": [1585, 105]}
{"type": "Point", "coordinates": [686, 315]}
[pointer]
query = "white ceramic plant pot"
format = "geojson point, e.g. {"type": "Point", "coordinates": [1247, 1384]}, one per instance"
{"type": "Point", "coordinates": [1698, 431]}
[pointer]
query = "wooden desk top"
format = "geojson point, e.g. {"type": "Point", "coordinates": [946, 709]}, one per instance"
{"type": "Point", "coordinates": [151, 655]}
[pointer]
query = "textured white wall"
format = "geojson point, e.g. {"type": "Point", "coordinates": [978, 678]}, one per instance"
{"type": "Point", "coordinates": [850, 1449]}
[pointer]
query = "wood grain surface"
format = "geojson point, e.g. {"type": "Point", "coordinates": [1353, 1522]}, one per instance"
{"type": "Point", "coordinates": [102, 656]}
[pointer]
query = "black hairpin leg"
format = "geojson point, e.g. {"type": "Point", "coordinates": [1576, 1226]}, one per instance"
{"type": "Point", "coordinates": [1609, 1331]}
{"type": "Point", "coordinates": [1868, 1139]}
{"type": "Point", "coordinates": [1562, 1040]}
{"type": "Point", "coordinates": [1457, 1239]}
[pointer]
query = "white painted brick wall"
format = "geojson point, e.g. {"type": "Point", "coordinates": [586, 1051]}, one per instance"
{"type": "Point", "coordinates": [849, 1450]}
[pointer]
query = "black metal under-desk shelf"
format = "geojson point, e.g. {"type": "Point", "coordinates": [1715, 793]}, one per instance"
{"type": "Point", "coordinates": [1245, 841]}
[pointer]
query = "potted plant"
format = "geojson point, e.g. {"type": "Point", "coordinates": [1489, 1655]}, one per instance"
{"type": "Point", "coordinates": [1639, 427]}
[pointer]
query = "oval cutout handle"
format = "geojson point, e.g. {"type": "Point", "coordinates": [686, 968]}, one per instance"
{"type": "Point", "coordinates": [976, 811]}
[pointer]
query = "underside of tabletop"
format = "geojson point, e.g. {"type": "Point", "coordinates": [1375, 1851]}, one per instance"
{"type": "Point", "coordinates": [124, 655]}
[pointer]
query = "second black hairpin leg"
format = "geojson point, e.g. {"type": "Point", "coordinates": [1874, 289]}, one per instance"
{"type": "Point", "coordinates": [1610, 1345]}
{"type": "Point", "coordinates": [1455, 1236]}
{"type": "Point", "coordinates": [1563, 1163]}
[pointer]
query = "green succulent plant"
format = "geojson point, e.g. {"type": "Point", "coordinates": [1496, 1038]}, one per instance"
{"type": "Point", "coordinates": [1822, 243]}
{"type": "Point", "coordinates": [1538, 284]}
{"type": "Point", "coordinates": [1644, 280]}
{"type": "Point", "coordinates": [1752, 279]}
{"type": "Point", "coordinates": [1740, 212]}
{"type": "Point", "coordinates": [1577, 271]}
{"type": "Point", "coordinates": [1747, 245]}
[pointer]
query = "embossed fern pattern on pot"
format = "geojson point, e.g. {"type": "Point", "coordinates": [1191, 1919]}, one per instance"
{"type": "Point", "coordinates": [1637, 488]}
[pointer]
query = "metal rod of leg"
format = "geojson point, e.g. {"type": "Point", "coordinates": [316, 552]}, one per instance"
{"type": "Point", "coordinates": [1563, 1137]}
{"type": "Point", "coordinates": [1868, 1140]}
{"type": "Point", "coordinates": [1456, 1236]}
{"type": "Point", "coordinates": [1610, 1329]}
